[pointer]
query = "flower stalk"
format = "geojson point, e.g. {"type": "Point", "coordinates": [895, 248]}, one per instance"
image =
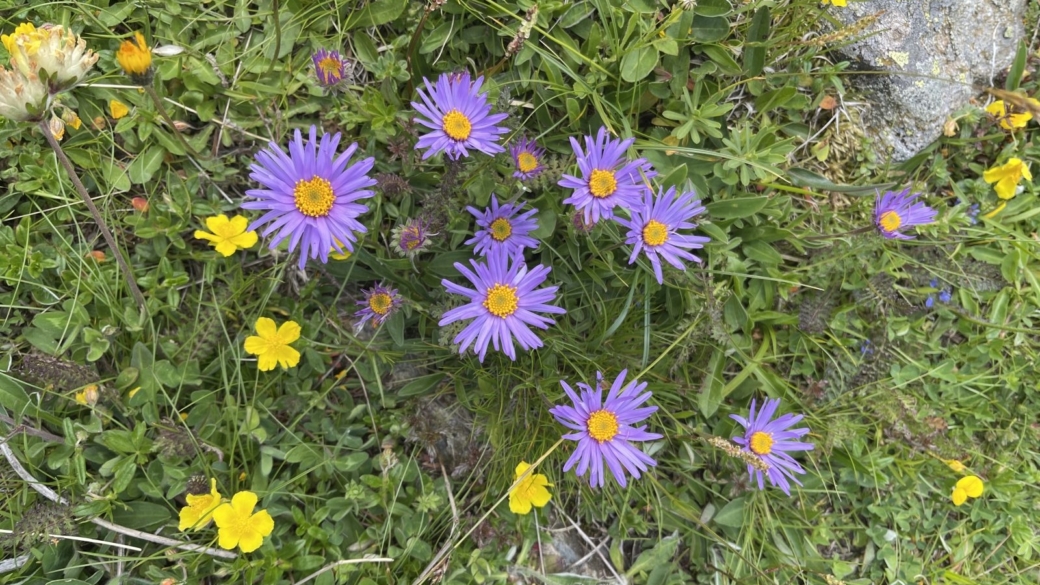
{"type": "Point", "coordinates": [109, 239]}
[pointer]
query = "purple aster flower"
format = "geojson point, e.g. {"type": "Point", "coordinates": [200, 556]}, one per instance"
{"type": "Point", "coordinates": [411, 238]}
{"type": "Point", "coordinates": [528, 158]}
{"type": "Point", "coordinates": [310, 195]}
{"type": "Point", "coordinates": [329, 67]}
{"type": "Point", "coordinates": [608, 178]}
{"type": "Point", "coordinates": [460, 118]}
{"type": "Point", "coordinates": [895, 211]}
{"type": "Point", "coordinates": [379, 303]}
{"type": "Point", "coordinates": [771, 440]}
{"type": "Point", "coordinates": [503, 228]}
{"type": "Point", "coordinates": [654, 229]}
{"type": "Point", "coordinates": [502, 305]}
{"type": "Point", "coordinates": [604, 431]}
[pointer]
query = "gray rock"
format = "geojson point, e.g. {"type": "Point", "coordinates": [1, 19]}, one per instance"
{"type": "Point", "coordinates": [922, 57]}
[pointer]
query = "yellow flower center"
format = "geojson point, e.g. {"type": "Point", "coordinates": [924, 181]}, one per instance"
{"type": "Point", "coordinates": [501, 300]}
{"type": "Point", "coordinates": [602, 425]}
{"type": "Point", "coordinates": [761, 443]}
{"type": "Point", "coordinates": [890, 221]}
{"type": "Point", "coordinates": [314, 197]}
{"type": "Point", "coordinates": [380, 303]}
{"type": "Point", "coordinates": [456, 125]}
{"type": "Point", "coordinates": [501, 229]}
{"type": "Point", "coordinates": [526, 162]}
{"type": "Point", "coordinates": [655, 233]}
{"type": "Point", "coordinates": [602, 183]}
{"type": "Point", "coordinates": [330, 66]}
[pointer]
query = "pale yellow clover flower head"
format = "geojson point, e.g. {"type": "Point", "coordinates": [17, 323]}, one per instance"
{"type": "Point", "coordinates": [239, 526]}
{"type": "Point", "coordinates": [529, 492]}
{"type": "Point", "coordinates": [1007, 177]}
{"type": "Point", "coordinates": [229, 235]}
{"type": "Point", "coordinates": [22, 97]}
{"type": "Point", "coordinates": [998, 109]}
{"type": "Point", "coordinates": [55, 54]}
{"type": "Point", "coordinates": [117, 109]}
{"type": "Point", "coordinates": [271, 344]}
{"type": "Point", "coordinates": [199, 510]}
{"type": "Point", "coordinates": [969, 486]}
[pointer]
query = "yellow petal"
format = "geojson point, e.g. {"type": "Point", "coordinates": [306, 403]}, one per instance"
{"type": "Point", "coordinates": [250, 540]}
{"type": "Point", "coordinates": [262, 523]}
{"type": "Point", "coordinates": [519, 505]}
{"type": "Point", "coordinates": [994, 213]}
{"type": "Point", "coordinates": [959, 496]}
{"type": "Point", "coordinates": [256, 345]}
{"type": "Point", "coordinates": [289, 332]}
{"type": "Point", "coordinates": [227, 539]}
{"type": "Point", "coordinates": [1006, 188]}
{"type": "Point", "coordinates": [996, 108]}
{"type": "Point", "coordinates": [266, 362]}
{"type": "Point", "coordinates": [995, 174]}
{"type": "Point", "coordinates": [243, 503]}
{"type": "Point", "coordinates": [118, 109]}
{"type": "Point", "coordinates": [1025, 172]}
{"type": "Point", "coordinates": [954, 464]}
{"type": "Point", "coordinates": [226, 248]}
{"type": "Point", "coordinates": [225, 515]}
{"type": "Point", "coordinates": [244, 240]}
{"type": "Point", "coordinates": [237, 225]}
{"type": "Point", "coordinates": [971, 485]}
{"type": "Point", "coordinates": [539, 496]}
{"type": "Point", "coordinates": [201, 235]}
{"type": "Point", "coordinates": [286, 356]}
{"type": "Point", "coordinates": [217, 223]}
{"type": "Point", "coordinates": [521, 468]}
{"type": "Point", "coordinates": [266, 328]}
{"type": "Point", "coordinates": [189, 517]}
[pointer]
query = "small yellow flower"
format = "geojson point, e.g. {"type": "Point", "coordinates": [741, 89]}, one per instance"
{"type": "Point", "coordinates": [184, 416]}
{"type": "Point", "coordinates": [134, 56]}
{"type": "Point", "coordinates": [529, 492]}
{"type": "Point", "coordinates": [271, 344]}
{"type": "Point", "coordinates": [955, 465]}
{"type": "Point", "coordinates": [841, 3]}
{"type": "Point", "coordinates": [133, 392]}
{"type": "Point", "coordinates": [229, 235]}
{"type": "Point", "coordinates": [199, 510]}
{"type": "Point", "coordinates": [88, 396]}
{"type": "Point", "coordinates": [239, 526]}
{"type": "Point", "coordinates": [70, 118]}
{"type": "Point", "coordinates": [1013, 121]}
{"type": "Point", "coordinates": [57, 128]}
{"type": "Point", "coordinates": [967, 487]}
{"type": "Point", "coordinates": [1007, 177]}
{"type": "Point", "coordinates": [118, 109]}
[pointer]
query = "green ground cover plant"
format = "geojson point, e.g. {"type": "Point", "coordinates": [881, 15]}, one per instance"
{"type": "Point", "coordinates": [231, 353]}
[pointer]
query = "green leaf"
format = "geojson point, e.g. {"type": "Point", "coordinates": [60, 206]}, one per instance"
{"type": "Point", "coordinates": [379, 12]}
{"type": "Point", "coordinates": [736, 208]}
{"type": "Point", "coordinates": [546, 224]}
{"type": "Point", "coordinates": [732, 514]}
{"type": "Point", "coordinates": [421, 385]}
{"type": "Point", "coordinates": [662, 553]}
{"type": "Point", "coordinates": [754, 49]}
{"type": "Point", "coordinates": [712, 8]}
{"type": "Point", "coordinates": [14, 399]}
{"type": "Point", "coordinates": [806, 178]}
{"type": "Point", "coordinates": [145, 165]}
{"type": "Point", "coordinates": [365, 50]}
{"type": "Point", "coordinates": [709, 29]}
{"type": "Point", "coordinates": [711, 388]}
{"type": "Point", "coordinates": [395, 325]}
{"type": "Point", "coordinates": [141, 515]}
{"type": "Point", "coordinates": [1018, 66]}
{"type": "Point", "coordinates": [638, 63]}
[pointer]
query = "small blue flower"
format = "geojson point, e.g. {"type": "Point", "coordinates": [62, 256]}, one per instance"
{"type": "Point", "coordinates": [945, 296]}
{"type": "Point", "coordinates": [933, 283]}
{"type": "Point", "coordinates": [866, 348]}
{"type": "Point", "coordinates": [929, 301]}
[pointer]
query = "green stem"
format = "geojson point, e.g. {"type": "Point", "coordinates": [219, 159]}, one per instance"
{"type": "Point", "coordinates": [169, 121]}
{"type": "Point", "coordinates": [111, 241]}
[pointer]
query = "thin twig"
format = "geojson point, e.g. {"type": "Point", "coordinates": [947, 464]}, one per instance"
{"type": "Point", "coordinates": [83, 539]}
{"type": "Point", "coordinates": [54, 497]}
{"type": "Point", "coordinates": [26, 429]}
{"type": "Point", "coordinates": [165, 116]}
{"type": "Point", "coordinates": [331, 566]}
{"type": "Point", "coordinates": [111, 241]}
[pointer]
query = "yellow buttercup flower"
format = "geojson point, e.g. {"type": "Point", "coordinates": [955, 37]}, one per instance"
{"type": "Point", "coordinates": [239, 526]}
{"type": "Point", "coordinates": [271, 344]}
{"type": "Point", "coordinates": [969, 486]}
{"type": "Point", "coordinates": [1007, 177]}
{"type": "Point", "coordinates": [529, 492]}
{"type": "Point", "coordinates": [199, 510]}
{"type": "Point", "coordinates": [1011, 121]}
{"type": "Point", "coordinates": [841, 3]}
{"type": "Point", "coordinates": [54, 54]}
{"type": "Point", "coordinates": [229, 235]}
{"type": "Point", "coordinates": [118, 109]}
{"type": "Point", "coordinates": [135, 56]}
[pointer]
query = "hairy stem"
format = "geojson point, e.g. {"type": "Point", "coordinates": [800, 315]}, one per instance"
{"type": "Point", "coordinates": [111, 241]}
{"type": "Point", "coordinates": [169, 121]}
